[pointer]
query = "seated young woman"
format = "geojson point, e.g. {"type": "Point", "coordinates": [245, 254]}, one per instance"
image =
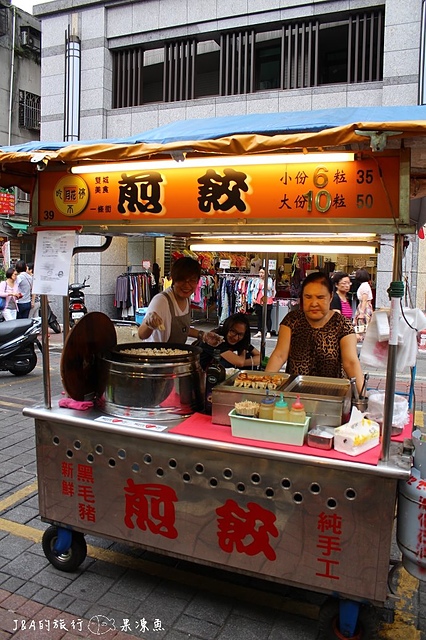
{"type": "Point", "coordinates": [236, 349]}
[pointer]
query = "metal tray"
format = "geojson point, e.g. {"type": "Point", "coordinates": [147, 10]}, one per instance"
{"type": "Point", "coordinates": [326, 400]}
{"type": "Point", "coordinates": [225, 395]}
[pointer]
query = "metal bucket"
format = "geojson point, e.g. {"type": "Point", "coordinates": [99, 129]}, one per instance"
{"type": "Point", "coordinates": [152, 386]}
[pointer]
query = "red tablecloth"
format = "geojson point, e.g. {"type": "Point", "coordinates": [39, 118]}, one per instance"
{"type": "Point", "coordinates": [200, 426]}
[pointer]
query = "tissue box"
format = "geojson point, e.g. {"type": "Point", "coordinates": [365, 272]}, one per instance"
{"type": "Point", "coordinates": [357, 437]}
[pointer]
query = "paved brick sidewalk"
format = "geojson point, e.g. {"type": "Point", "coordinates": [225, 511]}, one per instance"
{"type": "Point", "coordinates": [23, 619]}
{"type": "Point", "coordinates": [39, 594]}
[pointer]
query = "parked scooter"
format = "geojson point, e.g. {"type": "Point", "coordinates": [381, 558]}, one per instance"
{"type": "Point", "coordinates": [77, 305]}
{"type": "Point", "coordinates": [17, 340]}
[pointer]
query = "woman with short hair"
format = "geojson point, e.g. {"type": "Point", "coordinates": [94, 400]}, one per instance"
{"type": "Point", "coordinates": [340, 301]}
{"type": "Point", "coordinates": [316, 340]}
{"type": "Point", "coordinates": [168, 316]}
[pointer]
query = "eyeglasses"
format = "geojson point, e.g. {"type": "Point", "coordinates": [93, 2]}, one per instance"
{"type": "Point", "coordinates": [236, 334]}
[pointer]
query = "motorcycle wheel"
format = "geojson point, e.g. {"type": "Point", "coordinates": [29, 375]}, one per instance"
{"type": "Point", "coordinates": [55, 326]}
{"type": "Point", "coordinates": [24, 364]}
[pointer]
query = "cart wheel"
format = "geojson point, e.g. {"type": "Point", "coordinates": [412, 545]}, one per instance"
{"type": "Point", "coordinates": [71, 559]}
{"type": "Point", "coordinates": [328, 620]}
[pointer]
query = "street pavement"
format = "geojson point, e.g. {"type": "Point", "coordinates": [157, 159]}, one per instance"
{"type": "Point", "coordinates": [120, 591]}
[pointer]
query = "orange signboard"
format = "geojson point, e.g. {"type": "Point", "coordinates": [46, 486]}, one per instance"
{"type": "Point", "coordinates": [367, 188]}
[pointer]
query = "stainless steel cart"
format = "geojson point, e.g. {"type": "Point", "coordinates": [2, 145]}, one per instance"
{"type": "Point", "coordinates": [300, 520]}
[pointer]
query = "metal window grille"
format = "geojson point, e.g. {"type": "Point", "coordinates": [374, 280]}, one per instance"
{"type": "Point", "coordinates": [343, 48]}
{"type": "Point", "coordinates": [179, 70]}
{"type": "Point", "coordinates": [299, 55]}
{"type": "Point", "coordinates": [29, 110]}
{"type": "Point", "coordinates": [172, 246]}
{"type": "Point", "coordinates": [127, 78]}
{"type": "Point", "coordinates": [236, 71]}
{"type": "Point", "coordinates": [365, 47]}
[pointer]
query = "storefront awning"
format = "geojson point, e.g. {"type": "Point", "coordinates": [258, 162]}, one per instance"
{"type": "Point", "coordinates": [12, 229]}
{"type": "Point", "coordinates": [19, 226]}
{"type": "Point", "coordinates": [370, 129]}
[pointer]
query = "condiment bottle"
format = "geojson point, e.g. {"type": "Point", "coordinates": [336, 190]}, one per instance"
{"type": "Point", "coordinates": [281, 412]}
{"type": "Point", "coordinates": [215, 374]}
{"type": "Point", "coordinates": [267, 407]}
{"type": "Point", "coordinates": [297, 411]}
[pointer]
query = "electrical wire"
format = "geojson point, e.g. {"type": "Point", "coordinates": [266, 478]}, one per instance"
{"type": "Point", "coordinates": [405, 319]}
{"type": "Point", "coordinates": [388, 198]}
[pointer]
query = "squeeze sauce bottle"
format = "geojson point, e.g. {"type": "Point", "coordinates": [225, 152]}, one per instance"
{"type": "Point", "coordinates": [297, 411]}
{"type": "Point", "coordinates": [267, 406]}
{"type": "Point", "coordinates": [281, 412]}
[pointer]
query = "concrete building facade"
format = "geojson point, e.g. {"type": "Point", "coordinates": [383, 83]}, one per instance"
{"type": "Point", "coordinates": [20, 107]}
{"type": "Point", "coordinates": [146, 63]}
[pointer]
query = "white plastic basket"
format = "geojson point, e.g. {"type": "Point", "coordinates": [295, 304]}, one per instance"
{"type": "Point", "coordinates": [269, 430]}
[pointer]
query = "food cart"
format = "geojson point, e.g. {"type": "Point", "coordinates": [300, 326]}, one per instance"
{"type": "Point", "coordinates": [176, 482]}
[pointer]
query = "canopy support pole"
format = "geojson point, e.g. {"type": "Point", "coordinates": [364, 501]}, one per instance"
{"type": "Point", "coordinates": [45, 351]}
{"type": "Point", "coordinates": [396, 291]}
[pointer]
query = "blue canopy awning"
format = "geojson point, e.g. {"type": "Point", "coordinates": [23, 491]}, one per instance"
{"type": "Point", "coordinates": [256, 123]}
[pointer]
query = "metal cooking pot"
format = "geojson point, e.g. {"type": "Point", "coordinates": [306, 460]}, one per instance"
{"type": "Point", "coordinates": [152, 386]}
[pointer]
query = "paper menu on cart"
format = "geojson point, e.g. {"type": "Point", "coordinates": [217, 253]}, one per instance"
{"type": "Point", "coordinates": [125, 422]}
{"type": "Point", "coordinates": [52, 262]}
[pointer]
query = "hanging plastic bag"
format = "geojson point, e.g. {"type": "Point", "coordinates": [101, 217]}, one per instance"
{"type": "Point", "coordinates": [374, 351]}
{"type": "Point", "coordinates": [376, 405]}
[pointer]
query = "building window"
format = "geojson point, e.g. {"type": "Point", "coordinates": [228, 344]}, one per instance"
{"type": "Point", "coordinates": [3, 20]}
{"type": "Point", "coordinates": [207, 64]}
{"type": "Point", "coordinates": [268, 61]}
{"type": "Point", "coordinates": [29, 110]}
{"type": "Point", "coordinates": [138, 77]}
{"type": "Point", "coordinates": [339, 48]}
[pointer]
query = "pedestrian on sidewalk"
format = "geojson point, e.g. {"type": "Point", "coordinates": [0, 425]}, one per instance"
{"type": "Point", "coordinates": [9, 290]}
{"type": "Point", "coordinates": [340, 301]}
{"type": "Point", "coordinates": [35, 298]}
{"type": "Point", "coordinates": [258, 304]}
{"type": "Point", "coordinates": [25, 285]}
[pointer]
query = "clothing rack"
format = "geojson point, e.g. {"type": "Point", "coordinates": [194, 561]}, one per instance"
{"type": "Point", "coordinates": [237, 293]}
{"type": "Point", "coordinates": [132, 292]}
{"type": "Point", "coordinates": [203, 297]}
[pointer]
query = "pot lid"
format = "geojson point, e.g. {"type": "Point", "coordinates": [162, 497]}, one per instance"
{"type": "Point", "coordinates": [80, 371]}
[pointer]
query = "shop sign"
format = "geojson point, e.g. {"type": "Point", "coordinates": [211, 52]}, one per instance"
{"type": "Point", "coordinates": [7, 202]}
{"type": "Point", "coordinates": [367, 188]}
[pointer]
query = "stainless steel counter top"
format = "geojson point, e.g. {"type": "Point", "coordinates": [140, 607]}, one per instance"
{"type": "Point", "coordinates": [397, 467]}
